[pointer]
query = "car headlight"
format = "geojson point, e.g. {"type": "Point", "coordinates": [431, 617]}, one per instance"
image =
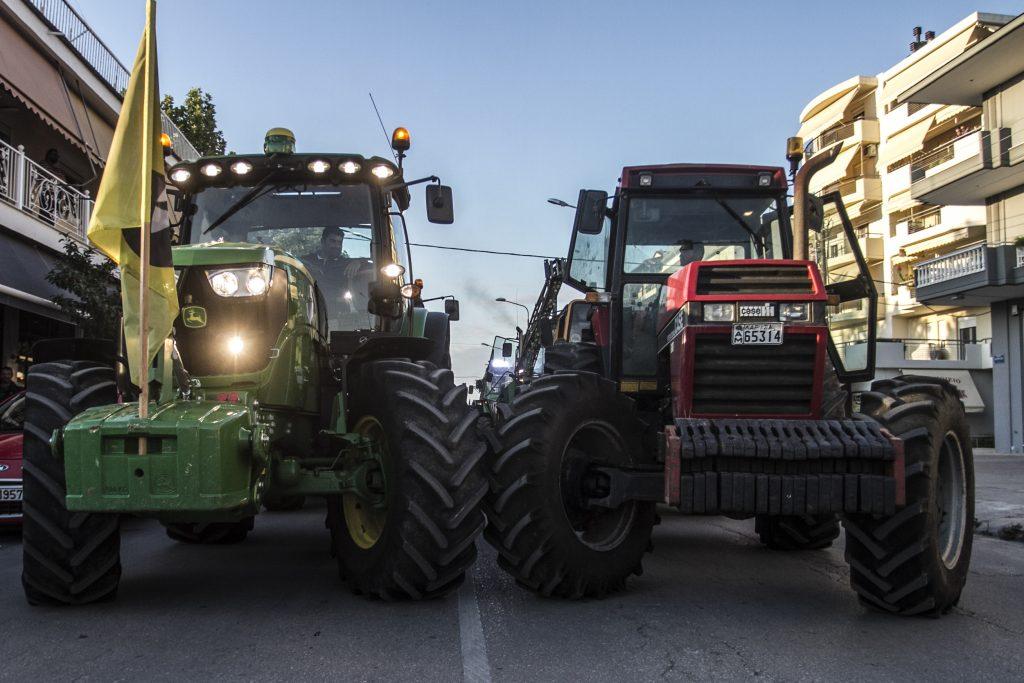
{"type": "Point", "coordinates": [234, 282]}
{"type": "Point", "coordinates": [794, 312]}
{"type": "Point", "coordinates": [719, 313]}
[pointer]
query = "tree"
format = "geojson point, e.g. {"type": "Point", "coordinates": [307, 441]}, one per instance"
{"type": "Point", "coordinates": [196, 117]}
{"type": "Point", "coordinates": [88, 277]}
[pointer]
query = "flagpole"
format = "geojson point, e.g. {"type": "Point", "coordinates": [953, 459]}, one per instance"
{"type": "Point", "coordinates": [146, 209]}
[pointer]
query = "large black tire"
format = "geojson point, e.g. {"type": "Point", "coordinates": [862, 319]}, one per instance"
{"type": "Point", "coordinates": [572, 356]}
{"type": "Point", "coordinates": [548, 437]}
{"type": "Point", "coordinates": [437, 329]}
{"type": "Point", "coordinates": [797, 532]}
{"type": "Point", "coordinates": [69, 558]}
{"type": "Point", "coordinates": [434, 484]}
{"type": "Point", "coordinates": [210, 533]}
{"type": "Point", "coordinates": [916, 561]}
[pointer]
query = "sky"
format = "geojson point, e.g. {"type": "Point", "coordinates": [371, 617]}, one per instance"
{"type": "Point", "coordinates": [511, 103]}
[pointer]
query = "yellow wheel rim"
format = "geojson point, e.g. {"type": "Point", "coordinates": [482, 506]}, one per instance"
{"type": "Point", "coordinates": [365, 522]}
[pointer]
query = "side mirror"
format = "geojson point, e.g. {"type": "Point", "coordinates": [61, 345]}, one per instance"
{"type": "Point", "coordinates": [815, 213]}
{"type": "Point", "coordinates": [451, 309]}
{"type": "Point", "coordinates": [506, 350]}
{"type": "Point", "coordinates": [440, 208]}
{"type": "Point", "coordinates": [590, 211]}
{"type": "Point", "coordinates": [385, 299]}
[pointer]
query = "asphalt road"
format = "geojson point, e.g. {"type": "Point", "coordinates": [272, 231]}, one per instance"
{"type": "Point", "coordinates": [712, 604]}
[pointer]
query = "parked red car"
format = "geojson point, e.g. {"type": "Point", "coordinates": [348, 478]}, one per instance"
{"type": "Point", "coordinates": [12, 413]}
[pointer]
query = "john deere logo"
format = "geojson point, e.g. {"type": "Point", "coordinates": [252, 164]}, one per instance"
{"type": "Point", "coordinates": [194, 316]}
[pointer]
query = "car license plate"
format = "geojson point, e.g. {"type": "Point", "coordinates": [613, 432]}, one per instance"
{"type": "Point", "coordinates": [756, 333]}
{"type": "Point", "coordinates": [10, 493]}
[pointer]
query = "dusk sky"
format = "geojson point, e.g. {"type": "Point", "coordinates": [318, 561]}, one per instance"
{"type": "Point", "coordinates": [515, 102]}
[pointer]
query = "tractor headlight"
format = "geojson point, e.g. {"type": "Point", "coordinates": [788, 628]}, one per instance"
{"type": "Point", "coordinates": [235, 345]}
{"type": "Point", "coordinates": [719, 313]}
{"type": "Point", "coordinates": [392, 270]}
{"type": "Point", "coordinates": [383, 172]}
{"type": "Point", "coordinates": [799, 312]}
{"type": "Point", "coordinates": [232, 282]}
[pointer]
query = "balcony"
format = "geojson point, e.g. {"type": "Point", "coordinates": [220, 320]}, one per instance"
{"type": "Point", "coordinates": [848, 311]}
{"type": "Point", "coordinates": [857, 190]}
{"type": "Point", "coordinates": [861, 131]}
{"type": "Point", "coordinates": [960, 263]}
{"type": "Point", "coordinates": [974, 276]}
{"type": "Point", "coordinates": [34, 191]}
{"type": "Point", "coordinates": [79, 36]}
{"type": "Point", "coordinates": [839, 253]}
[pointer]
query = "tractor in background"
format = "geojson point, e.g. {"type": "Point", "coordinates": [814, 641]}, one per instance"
{"type": "Point", "coordinates": [714, 372]}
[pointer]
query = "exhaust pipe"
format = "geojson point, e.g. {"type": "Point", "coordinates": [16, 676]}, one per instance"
{"type": "Point", "coordinates": [801, 183]}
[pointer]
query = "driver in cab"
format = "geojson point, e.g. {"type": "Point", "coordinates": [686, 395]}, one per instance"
{"type": "Point", "coordinates": [337, 275]}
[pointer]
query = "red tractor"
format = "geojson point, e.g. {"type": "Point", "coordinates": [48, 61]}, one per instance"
{"type": "Point", "coordinates": [719, 377]}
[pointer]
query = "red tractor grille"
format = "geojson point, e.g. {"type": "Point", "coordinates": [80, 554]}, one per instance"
{"type": "Point", "coordinates": [753, 380]}
{"type": "Point", "coordinates": [762, 280]}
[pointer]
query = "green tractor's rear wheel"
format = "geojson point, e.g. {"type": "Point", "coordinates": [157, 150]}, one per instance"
{"type": "Point", "coordinates": [210, 533]}
{"type": "Point", "coordinates": [70, 558]}
{"type": "Point", "coordinates": [916, 561]}
{"type": "Point", "coordinates": [550, 436]}
{"type": "Point", "coordinates": [415, 537]}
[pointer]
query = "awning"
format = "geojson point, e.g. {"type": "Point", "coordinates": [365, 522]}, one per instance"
{"type": "Point", "coordinates": [905, 142]}
{"type": "Point", "coordinates": [940, 241]}
{"type": "Point", "coordinates": [836, 170]}
{"type": "Point", "coordinates": [828, 116]}
{"type": "Point", "coordinates": [23, 270]}
{"type": "Point", "coordinates": [37, 83]}
{"type": "Point", "coordinates": [936, 57]}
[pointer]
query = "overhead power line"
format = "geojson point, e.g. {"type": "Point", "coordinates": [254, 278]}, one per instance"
{"type": "Point", "coordinates": [480, 251]}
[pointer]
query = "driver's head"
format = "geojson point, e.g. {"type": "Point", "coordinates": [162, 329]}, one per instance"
{"type": "Point", "coordinates": [331, 241]}
{"type": "Point", "coordinates": [690, 252]}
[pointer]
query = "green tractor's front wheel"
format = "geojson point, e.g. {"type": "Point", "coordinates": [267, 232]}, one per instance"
{"type": "Point", "coordinates": [70, 558]}
{"type": "Point", "coordinates": [415, 537]}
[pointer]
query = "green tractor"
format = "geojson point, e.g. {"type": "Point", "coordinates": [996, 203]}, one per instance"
{"type": "Point", "coordinates": [303, 363]}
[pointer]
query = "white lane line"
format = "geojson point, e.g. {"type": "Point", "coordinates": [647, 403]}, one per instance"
{"type": "Point", "coordinates": [475, 667]}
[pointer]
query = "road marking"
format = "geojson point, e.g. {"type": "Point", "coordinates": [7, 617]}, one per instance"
{"type": "Point", "coordinates": [475, 667]}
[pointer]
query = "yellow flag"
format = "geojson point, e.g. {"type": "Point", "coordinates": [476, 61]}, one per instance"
{"type": "Point", "coordinates": [131, 197]}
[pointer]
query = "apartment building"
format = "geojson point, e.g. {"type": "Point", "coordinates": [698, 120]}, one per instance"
{"type": "Point", "coordinates": [887, 144]}
{"type": "Point", "coordinates": [59, 99]}
{"type": "Point", "coordinates": [983, 170]}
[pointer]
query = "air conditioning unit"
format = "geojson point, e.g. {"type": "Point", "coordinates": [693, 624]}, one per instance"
{"type": "Point", "coordinates": [871, 151]}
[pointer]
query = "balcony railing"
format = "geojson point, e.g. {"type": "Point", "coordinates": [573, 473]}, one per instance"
{"type": "Point", "coordinates": [828, 138]}
{"type": "Point", "coordinates": [80, 37]}
{"type": "Point", "coordinates": [924, 220]}
{"type": "Point", "coordinates": [966, 261]}
{"type": "Point", "coordinates": [30, 188]}
{"type": "Point", "coordinates": [938, 349]}
{"type": "Point", "coordinates": [960, 148]}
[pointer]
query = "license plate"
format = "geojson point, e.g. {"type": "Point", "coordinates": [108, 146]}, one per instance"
{"type": "Point", "coordinates": [10, 493]}
{"type": "Point", "coordinates": [756, 333]}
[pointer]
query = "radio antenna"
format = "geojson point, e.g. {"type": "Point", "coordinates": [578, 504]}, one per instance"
{"type": "Point", "coordinates": [383, 128]}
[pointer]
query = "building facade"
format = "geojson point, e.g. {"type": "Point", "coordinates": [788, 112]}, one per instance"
{"type": "Point", "coordinates": [59, 100]}
{"type": "Point", "coordinates": [985, 173]}
{"type": "Point", "coordinates": [886, 145]}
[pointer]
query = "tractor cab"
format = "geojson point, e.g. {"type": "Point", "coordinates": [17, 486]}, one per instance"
{"type": "Point", "coordinates": [664, 225]}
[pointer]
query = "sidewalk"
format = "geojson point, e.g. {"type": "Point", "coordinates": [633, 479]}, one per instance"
{"type": "Point", "coordinates": [999, 494]}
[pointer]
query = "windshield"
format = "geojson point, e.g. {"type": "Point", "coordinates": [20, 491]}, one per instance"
{"type": "Point", "coordinates": [663, 234]}
{"type": "Point", "coordinates": [328, 227]}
